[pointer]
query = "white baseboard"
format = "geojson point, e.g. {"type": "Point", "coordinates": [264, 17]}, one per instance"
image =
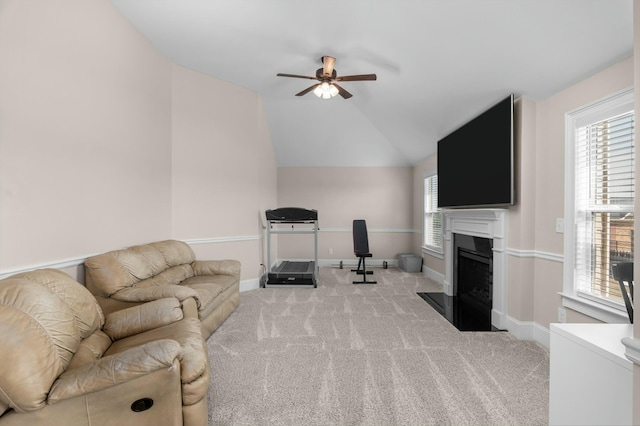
{"type": "Point", "coordinates": [434, 275]}
{"type": "Point", "coordinates": [252, 284]}
{"type": "Point", "coordinates": [528, 330]}
{"type": "Point", "coordinates": [541, 335]}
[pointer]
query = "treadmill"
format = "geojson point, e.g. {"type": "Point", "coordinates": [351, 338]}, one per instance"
{"type": "Point", "coordinates": [292, 220]}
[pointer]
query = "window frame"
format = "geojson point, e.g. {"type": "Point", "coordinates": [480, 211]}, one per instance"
{"type": "Point", "coordinates": [437, 251]}
{"type": "Point", "coordinates": [601, 309]}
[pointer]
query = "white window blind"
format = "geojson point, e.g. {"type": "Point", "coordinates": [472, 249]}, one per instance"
{"type": "Point", "coordinates": [604, 199]}
{"type": "Point", "coordinates": [432, 218]}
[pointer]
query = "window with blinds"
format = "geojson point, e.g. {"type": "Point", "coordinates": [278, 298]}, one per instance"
{"type": "Point", "coordinates": [604, 199]}
{"type": "Point", "coordinates": [432, 218]}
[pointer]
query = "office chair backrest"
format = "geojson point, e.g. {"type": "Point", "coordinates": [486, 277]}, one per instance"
{"type": "Point", "coordinates": [623, 273]}
{"type": "Point", "coordinates": [360, 237]}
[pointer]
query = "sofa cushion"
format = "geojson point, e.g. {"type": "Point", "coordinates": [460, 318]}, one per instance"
{"type": "Point", "coordinates": [105, 275]}
{"type": "Point", "coordinates": [142, 261]}
{"type": "Point", "coordinates": [84, 306]}
{"type": "Point", "coordinates": [175, 252]}
{"type": "Point", "coordinates": [108, 273]}
{"type": "Point", "coordinates": [164, 262]}
{"type": "Point", "coordinates": [210, 288]}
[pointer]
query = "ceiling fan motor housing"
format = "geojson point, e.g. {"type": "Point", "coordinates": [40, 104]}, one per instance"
{"type": "Point", "coordinates": [326, 76]}
{"type": "Point", "coordinates": [320, 75]}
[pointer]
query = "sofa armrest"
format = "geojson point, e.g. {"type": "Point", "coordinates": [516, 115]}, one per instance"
{"type": "Point", "coordinates": [115, 369]}
{"type": "Point", "coordinates": [189, 308]}
{"type": "Point", "coordinates": [140, 318]}
{"type": "Point", "coordinates": [216, 267]}
{"type": "Point", "coordinates": [148, 294]}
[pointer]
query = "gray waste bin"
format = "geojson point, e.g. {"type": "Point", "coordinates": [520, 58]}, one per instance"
{"type": "Point", "coordinates": [401, 258]}
{"type": "Point", "coordinates": [411, 262]}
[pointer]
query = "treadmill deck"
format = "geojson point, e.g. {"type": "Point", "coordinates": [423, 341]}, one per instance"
{"type": "Point", "coordinates": [292, 274]}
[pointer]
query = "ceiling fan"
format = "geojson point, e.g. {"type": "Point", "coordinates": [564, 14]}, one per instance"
{"type": "Point", "coordinates": [327, 87]}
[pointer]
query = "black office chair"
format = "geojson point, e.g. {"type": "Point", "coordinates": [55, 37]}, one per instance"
{"type": "Point", "coordinates": [361, 250]}
{"type": "Point", "coordinates": [623, 273]}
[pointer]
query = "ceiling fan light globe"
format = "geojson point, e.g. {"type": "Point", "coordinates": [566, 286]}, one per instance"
{"type": "Point", "coordinates": [318, 91]}
{"type": "Point", "coordinates": [325, 91]}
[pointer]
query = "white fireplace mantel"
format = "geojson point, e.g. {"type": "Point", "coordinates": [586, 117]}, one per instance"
{"type": "Point", "coordinates": [485, 223]}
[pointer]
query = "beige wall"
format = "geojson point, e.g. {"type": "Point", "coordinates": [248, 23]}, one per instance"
{"type": "Point", "coordinates": [85, 143]}
{"type": "Point", "coordinates": [383, 196]}
{"type": "Point", "coordinates": [105, 144]}
{"type": "Point", "coordinates": [224, 168]}
{"type": "Point", "coordinates": [522, 214]}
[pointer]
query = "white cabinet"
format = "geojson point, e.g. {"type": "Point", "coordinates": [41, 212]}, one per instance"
{"type": "Point", "coordinates": [590, 379]}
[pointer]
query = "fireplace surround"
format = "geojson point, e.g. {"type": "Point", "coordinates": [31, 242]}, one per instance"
{"type": "Point", "coordinates": [484, 223]}
{"type": "Point", "coordinates": [478, 239]}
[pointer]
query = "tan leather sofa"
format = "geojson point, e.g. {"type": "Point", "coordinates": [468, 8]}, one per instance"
{"type": "Point", "coordinates": [64, 363]}
{"type": "Point", "coordinates": [208, 289]}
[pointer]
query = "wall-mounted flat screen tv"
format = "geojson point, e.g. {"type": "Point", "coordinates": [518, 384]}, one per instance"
{"type": "Point", "coordinates": [475, 162]}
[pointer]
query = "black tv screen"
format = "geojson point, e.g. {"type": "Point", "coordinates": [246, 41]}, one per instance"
{"type": "Point", "coordinates": [475, 162]}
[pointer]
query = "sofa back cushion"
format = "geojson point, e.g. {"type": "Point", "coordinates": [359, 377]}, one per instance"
{"type": "Point", "coordinates": [39, 337]}
{"type": "Point", "coordinates": [175, 252]}
{"type": "Point", "coordinates": [87, 314]}
{"type": "Point", "coordinates": [107, 273]}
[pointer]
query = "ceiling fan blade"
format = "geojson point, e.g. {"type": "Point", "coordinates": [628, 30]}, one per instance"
{"type": "Point", "coordinates": [327, 65]}
{"type": "Point", "coordinates": [361, 77]}
{"type": "Point", "coordinates": [308, 89]}
{"type": "Point", "coordinates": [342, 92]}
{"type": "Point", "coordinates": [295, 75]}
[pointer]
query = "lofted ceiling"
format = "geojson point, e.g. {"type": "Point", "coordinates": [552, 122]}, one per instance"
{"type": "Point", "coordinates": [439, 63]}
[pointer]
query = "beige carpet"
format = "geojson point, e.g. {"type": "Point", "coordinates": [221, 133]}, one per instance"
{"type": "Point", "coordinates": [368, 355]}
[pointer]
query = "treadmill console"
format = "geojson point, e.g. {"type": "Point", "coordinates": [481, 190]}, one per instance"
{"type": "Point", "coordinates": [291, 215]}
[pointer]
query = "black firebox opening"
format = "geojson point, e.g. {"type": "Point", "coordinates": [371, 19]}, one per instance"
{"type": "Point", "coordinates": [470, 308]}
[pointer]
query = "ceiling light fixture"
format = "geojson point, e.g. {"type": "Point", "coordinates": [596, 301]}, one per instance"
{"type": "Point", "coordinates": [325, 91]}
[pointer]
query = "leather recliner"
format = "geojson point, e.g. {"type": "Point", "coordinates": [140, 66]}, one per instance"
{"type": "Point", "coordinates": [64, 363]}
{"type": "Point", "coordinates": [208, 289]}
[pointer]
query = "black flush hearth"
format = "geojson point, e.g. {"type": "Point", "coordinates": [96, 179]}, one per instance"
{"type": "Point", "coordinates": [464, 317]}
{"type": "Point", "coordinates": [470, 308]}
